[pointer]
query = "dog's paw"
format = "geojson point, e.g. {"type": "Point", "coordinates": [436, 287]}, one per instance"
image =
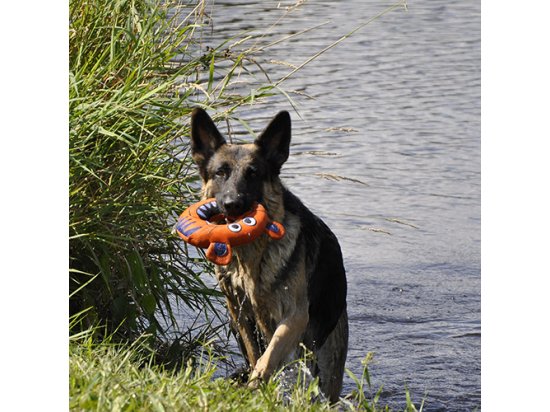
{"type": "Point", "coordinates": [260, 373]}
{"type": "Point", "coordinates": [255, 378]}
{"type": "Point", "coordinates": [254, 383]}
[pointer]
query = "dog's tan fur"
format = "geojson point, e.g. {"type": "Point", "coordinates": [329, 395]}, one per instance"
{"type": "Point", "coordinates": [281, 314]}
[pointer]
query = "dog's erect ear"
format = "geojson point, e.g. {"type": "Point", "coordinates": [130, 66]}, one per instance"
{"type": "Point", "coordinates": [274, 142]}
{"type": "Point", "coordinates": [205, 139]}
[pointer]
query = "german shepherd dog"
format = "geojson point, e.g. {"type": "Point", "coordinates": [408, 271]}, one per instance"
{"type": "Point", "coordinates": [279, 293]}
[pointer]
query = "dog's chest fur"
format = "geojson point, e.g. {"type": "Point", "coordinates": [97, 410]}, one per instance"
{"type": "Point", "coordinates": [259, 275]}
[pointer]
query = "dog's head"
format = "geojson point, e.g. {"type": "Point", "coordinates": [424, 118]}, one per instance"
{"type": "Point", "coordinates": [235, 173]}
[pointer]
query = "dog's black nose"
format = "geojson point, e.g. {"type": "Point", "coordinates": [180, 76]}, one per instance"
{"type": "Point", "coordinates": [233, 205]}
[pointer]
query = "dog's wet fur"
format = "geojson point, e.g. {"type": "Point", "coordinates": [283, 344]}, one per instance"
{"type": "Point", "coordinates": [280, 293]}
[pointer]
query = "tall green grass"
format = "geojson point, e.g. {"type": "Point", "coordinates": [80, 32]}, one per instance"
{"type": "Point", "coordinates": [137, 69]}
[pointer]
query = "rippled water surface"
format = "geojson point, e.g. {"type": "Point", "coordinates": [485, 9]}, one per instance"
{"type": "Point", "coordinates": [387, 152]}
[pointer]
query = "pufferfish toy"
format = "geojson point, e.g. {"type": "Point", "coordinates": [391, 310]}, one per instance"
{"type": "Point", "coordinates": [196, 225]}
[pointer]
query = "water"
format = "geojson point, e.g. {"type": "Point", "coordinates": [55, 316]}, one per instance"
{"type": "Point", "coordinates": [387, 152]}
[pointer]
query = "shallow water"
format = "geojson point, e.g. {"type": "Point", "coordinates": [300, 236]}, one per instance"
{"type": "Point", "coordinates": [387, 152]}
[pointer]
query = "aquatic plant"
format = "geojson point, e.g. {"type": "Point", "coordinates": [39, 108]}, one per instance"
{"type": "Point", "coordinates": [137, 68]}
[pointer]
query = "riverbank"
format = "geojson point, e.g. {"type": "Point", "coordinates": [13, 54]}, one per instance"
{"type": "Point", "coordinates": [107, 376]}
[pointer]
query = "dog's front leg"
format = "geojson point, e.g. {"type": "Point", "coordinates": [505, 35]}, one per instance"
{"type": "Point", "coordinates": [246, 333]}
{"type": "Point", "coordinates": [239, 311]}
{"type": "Point", "coordinates": [285, 339]}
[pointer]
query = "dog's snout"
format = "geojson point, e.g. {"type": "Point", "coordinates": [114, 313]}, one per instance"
{"type": "Point", "coordinates": [233, 205]}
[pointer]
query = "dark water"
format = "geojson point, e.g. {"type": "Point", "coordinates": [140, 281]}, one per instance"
{"type": "Point", "coordinates": [387, 152]}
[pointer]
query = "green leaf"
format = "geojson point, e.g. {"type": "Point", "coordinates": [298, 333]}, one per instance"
{"type": "Point", "coordinates": [211, 73]}
{"type": "Point", "coordinates": [149, 304]}
{"type": "Point", "coordinates": [137, 270]}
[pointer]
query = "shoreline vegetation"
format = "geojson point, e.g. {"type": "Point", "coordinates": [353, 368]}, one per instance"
{"type": "Point", "coordinates": [137, 68]}
{"type": "Point", "coordinates": [108, 376]}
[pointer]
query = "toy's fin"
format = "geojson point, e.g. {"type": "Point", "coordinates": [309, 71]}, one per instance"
{"type": "Point", "coordinates": [219, 253]}
{"type": "Point", "coordinates": [275, 230]}
{"type": "Point", "coordinates": [185, 228]}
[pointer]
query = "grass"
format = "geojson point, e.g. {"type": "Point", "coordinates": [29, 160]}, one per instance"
{"type": "Point", "coordinates": [126, 177]}
{"type": "Point", "coordinates": [113, 377]}
{"type": "Point", "coordinates": [108, 376]}
{"type": "Point", "coordinates": [137, 69]}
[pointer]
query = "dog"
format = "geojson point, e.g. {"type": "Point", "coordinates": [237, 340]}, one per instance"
{"type": "Point", "coordinates": [279, 293]}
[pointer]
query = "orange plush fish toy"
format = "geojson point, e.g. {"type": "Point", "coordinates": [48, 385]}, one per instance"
{"type": "Point", "coordinates": [196, 225]}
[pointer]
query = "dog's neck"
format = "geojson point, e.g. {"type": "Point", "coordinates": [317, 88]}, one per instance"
{"type": "Point", "coordinates": [273, 199]}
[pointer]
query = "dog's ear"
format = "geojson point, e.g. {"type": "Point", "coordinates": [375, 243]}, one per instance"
{"type": "Point", "coordinates": [205, 139]}
{"type": "Point", "coordinates": [274, 142]}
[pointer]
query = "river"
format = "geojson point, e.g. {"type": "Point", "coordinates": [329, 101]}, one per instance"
{"type": "Point", "coordinates": [386, 149]}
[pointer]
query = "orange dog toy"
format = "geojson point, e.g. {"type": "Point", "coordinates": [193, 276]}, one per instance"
{"type": "Point", "coordinates": [195, 226]}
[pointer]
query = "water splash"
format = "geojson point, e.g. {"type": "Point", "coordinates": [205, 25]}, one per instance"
{"type": "Point", "coordinates": [297, 376]}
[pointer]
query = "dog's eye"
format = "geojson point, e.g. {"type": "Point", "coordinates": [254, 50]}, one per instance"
{"type": "Point", "coordinates": [221, 172]}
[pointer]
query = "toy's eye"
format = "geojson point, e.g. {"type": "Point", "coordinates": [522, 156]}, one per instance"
{"type": "Point", "coordinates": [234, 227]}
{"type": "Point", "coordinates": [249, 221]}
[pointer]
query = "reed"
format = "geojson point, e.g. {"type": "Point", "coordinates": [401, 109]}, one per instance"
{"type": "Point", "coordinates": [137, 69]}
